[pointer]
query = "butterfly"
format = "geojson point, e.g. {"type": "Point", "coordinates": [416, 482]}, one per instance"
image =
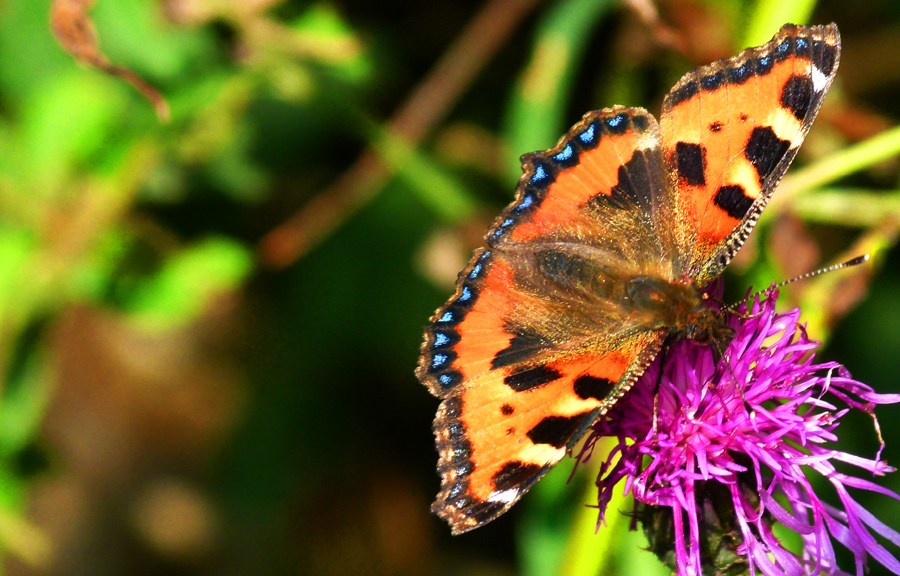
{"type": "Point", "coordinates": [602, 256]}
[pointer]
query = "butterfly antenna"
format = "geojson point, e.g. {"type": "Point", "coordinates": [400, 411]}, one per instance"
{"type": "Point", "coordinates": [848, 264]}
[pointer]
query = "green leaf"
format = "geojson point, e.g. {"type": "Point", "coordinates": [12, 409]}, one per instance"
{"type": "Point", "coordinates": [189, 281]}
{"type": "Point", "coordinates": [70, 120]}
{"type": "Point", "coordinates": [136, 34]}
{"type": "Point", "coordinates": [17, 282]}
{"type": "Point", "coordinates": [328, 39]}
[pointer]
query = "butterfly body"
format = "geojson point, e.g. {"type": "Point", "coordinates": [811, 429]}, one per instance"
{"type": "Point", "coordinates": [603, 255]}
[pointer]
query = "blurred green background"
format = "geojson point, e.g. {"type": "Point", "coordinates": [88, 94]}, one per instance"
{"type": "Point", "coordinates": [208, 327]}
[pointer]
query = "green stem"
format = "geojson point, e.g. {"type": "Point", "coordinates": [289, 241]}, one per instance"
{"type": "Point", "coordinates": [589, 550]}
{"type": "Point", "coordinates": [435, 186]}
{"type": "Point", "coordinates": [847, 207]}
{"type": "Point", "coordinates": [843, 163]}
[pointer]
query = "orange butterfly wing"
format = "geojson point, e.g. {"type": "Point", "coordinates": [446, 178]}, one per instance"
{"type": "Point", "coordinates": [535, 343]}
{"type": "Point", "coordinates": [731, 129]}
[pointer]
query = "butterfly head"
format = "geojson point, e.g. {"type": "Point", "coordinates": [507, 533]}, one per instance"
{"type": "Point", "coordinates": [708, 326]}
{"type": "Point", "coordinates": [677, 307]}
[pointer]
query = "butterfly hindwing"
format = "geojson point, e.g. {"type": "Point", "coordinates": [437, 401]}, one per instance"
{"type": "Point", "coordinates": [731, 129]}
{"type": "Point", "coordinates": [507, 429]}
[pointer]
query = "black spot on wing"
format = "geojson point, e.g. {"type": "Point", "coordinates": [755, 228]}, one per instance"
{"type": "Point", "coordinates": [515, 475]}
{"type": "Point", "coordinates": [716, 126]}
{"type": "Point", "coordinates": [826, 56]}
{"type": "Point", "coordinates": [587, 386]}
{"type": "Point", "coordinates": [797, 95]}
{"type": "Point", "coordinates": [733, 200]}
{"type": "Point", "coordinates": [507, 410]}
{"type": "Point", "coordinates": [640, 122]}
{"type": "Point", "coordinates": [557, 430]}
{"type": "Point", "coordinates": [690, 160]}
{"type": "Point", "coordinates": [633, 187]}
{"type": "Point", "coordinates": [522, 346]}
{"type": "Point", "coordinates": [764, 149]}
{"type": "Point", "coordinates": [529, 378]}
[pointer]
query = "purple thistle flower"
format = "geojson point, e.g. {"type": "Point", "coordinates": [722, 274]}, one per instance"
{"type": "Point", "coordinates": [724, 465]}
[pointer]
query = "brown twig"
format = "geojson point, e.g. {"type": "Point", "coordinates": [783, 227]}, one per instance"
{"type": "Point", "coordinates": [75, 32]}
{"type": "Point", "coordinates": [425, 107]}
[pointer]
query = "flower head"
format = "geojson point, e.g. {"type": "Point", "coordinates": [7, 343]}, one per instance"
{"type": "Point", "coordinates": [714, 466]}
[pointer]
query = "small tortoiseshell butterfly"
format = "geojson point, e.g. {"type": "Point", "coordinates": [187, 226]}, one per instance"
{"type": "Point", "coordinates": [602, 256]}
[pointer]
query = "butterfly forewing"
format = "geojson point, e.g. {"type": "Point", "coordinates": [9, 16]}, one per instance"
{"type": "Point", "coordinates": [729, 132]}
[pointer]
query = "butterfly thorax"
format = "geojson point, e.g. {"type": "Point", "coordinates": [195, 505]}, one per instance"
{"type": "Point", "coordinates": [675, 306]}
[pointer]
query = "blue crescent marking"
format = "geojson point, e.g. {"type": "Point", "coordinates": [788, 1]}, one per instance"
{"type": "Point", "coordinates": [588, 135]}
{"type": "Point", "coordinates": [565, 154]}
{"type": "Point", "coordinates": [525, 203]}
